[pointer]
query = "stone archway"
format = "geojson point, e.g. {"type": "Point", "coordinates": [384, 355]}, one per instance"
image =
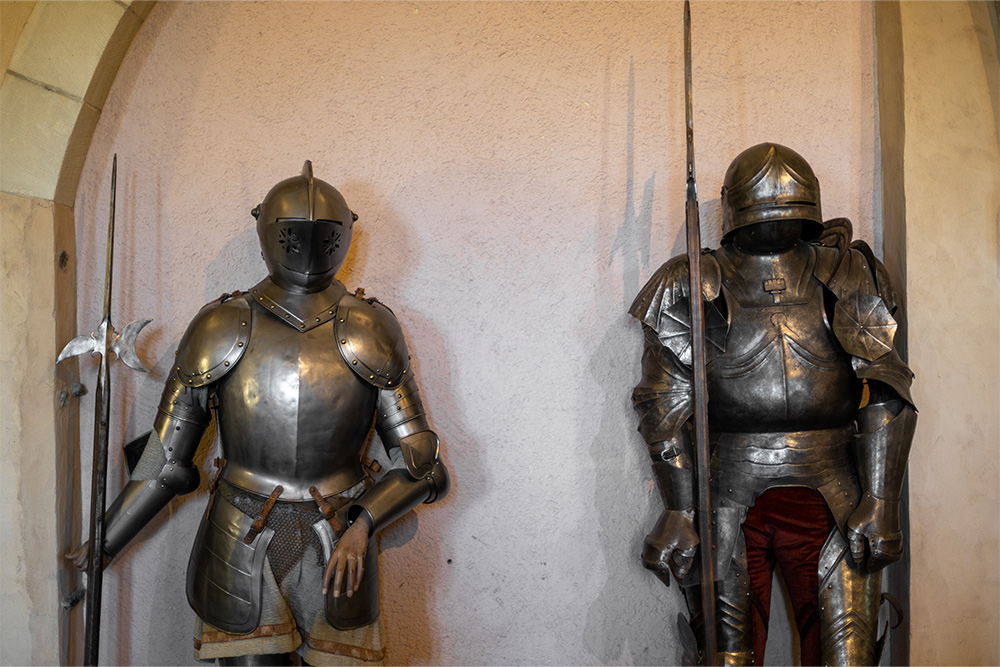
{"type": "Point", "coordinates": [58, 60]}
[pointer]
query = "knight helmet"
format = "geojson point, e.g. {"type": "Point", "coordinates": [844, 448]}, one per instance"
{"type": "Point", "coordinates": [770, 182]}
{"type": "Point", "coordinates": [305, 229]}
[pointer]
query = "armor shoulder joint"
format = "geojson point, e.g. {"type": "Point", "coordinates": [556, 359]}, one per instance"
{"type": "Point", "coordinates": [669, 285]}
{"type": "Point", "coordinates": [214, 341]}
{"type": "Point", "coordinates": [853, 273]}
{"type": "Point", "coordinates": [371, 341]}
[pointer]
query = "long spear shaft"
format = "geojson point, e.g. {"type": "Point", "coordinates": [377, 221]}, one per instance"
{"type": "Point", "coordinates": [702, 454]}
{"type": "Point", "coordinates": [99, 479]}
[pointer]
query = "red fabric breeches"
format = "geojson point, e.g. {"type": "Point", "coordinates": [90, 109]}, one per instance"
{"type": "Point", "coordinates": [787, 526]}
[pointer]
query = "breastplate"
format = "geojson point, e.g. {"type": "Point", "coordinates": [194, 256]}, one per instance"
{"type": "Point", "coordinates": [293, 413]}
{"type": "Point", "coordinates": [782, 369]}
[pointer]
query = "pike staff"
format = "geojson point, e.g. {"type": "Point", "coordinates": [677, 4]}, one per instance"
{"type": "Point", "coordinates": [700, 423]}
{"type": "Point", "coordinates": [101, 343]}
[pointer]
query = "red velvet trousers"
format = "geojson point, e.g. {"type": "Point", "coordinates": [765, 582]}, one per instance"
{"type": "Point", "coordinates": [787, 527]}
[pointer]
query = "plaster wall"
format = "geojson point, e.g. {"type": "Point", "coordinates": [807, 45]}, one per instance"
{"type": "Point", "coordinates": [29, 588]}
{"type": "Point", "coordinates": [952, 177]}
{"type": "Point", "coordinates": [518, 172]}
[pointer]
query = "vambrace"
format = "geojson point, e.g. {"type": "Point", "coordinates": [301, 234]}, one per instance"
{"type": "Point", "coordinates": [401, 422]}
{"type": "Point", "coordinates": [882, 446]}
{"type": "Point", "coordinates": [880, 451]}
{"type": "Point", "coordinates": [165, 469]}
{"type": "Point", "coordinates": [674, 472]}
{"type": "Point", "coordinates": [397, 493]}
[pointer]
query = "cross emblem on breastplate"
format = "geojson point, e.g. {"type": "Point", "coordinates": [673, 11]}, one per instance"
{"type": "Point", "coordinates": [774, 287]}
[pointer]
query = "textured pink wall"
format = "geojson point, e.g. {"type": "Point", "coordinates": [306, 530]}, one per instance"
{"type": "Point", "coordinates": [495, 152]}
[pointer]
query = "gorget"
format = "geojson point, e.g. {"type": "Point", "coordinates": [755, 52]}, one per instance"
{"type": "Point", "coordinates": [302, 310]}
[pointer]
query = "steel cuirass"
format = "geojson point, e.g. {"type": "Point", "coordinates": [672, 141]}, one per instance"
{"type": "Point", "coordinates": [288, 413]}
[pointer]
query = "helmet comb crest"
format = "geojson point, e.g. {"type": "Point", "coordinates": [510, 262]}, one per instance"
{"type": "Point", "coordinates": [307, 172]}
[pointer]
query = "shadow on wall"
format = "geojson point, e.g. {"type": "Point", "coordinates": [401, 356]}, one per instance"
{"type": "Point", "coordinates": [411, 574]}
{"type": "Point", "coordinates": [619, 626]}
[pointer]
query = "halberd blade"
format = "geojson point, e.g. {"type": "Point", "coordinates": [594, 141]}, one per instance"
{"type": "Point", "coordinates": [124, 345]}
{"type": "Point", "coordinates": [79, 345]}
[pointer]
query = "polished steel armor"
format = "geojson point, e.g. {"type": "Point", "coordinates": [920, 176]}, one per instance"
{"type": "Point", "coordinates": [806, 318]}
{"type": "Point", "coordinates": [770, 182]}
{"type": "Point", "coordinates": [298, 371]}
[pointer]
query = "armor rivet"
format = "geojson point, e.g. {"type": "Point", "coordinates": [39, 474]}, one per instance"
{"type": "Point", "coordinates": [208, 376]}
{"type": "Point", "coordinates": [302, 326]}
{"type": "Point", "coordinates": [343, 341]}
{"type": "Point", "coordinates": [341, 319]}
{"type": "Point", "coordinates": [371, 377]}
{"type": "Point", "coordinates": [355, 362]}
{"type": "Point", "coordinates": [399, 396]}
{"type": "Point", "coordinates": [317, 319]}
{"type": "Point", "coordinates": [178, 368]}
{"type": "Point", "coordinates": [287, 315]}
{"type": "Point", "coordinates": [390, 383]}
{"type": "Point", "coordinates": [830, 587]}
{"type": "Point", "coordinates": [177, 428]}
{"type": "Point", "coordinates": [272, 306]}
{"type": "Point", "coordinates": [243, 324]}
{"type": "Point", "coordinates": [330, 312]}
{"type": "Point", "coordinates": [227, 363]}
{"type": "Point", "coordinates": [239, 344]}
{"type": "Point", "coordinates": [404, 372]}
{"type": "Point", "coordinates": [175, 402]}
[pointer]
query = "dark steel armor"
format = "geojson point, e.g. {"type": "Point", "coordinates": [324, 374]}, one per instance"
{"type": "Point", "coordinates": [798, 318]}
{"type": "Point", "coordinates": [297, 370]}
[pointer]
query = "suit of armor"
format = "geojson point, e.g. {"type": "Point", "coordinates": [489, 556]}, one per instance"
{"type": "Point", "coordinates": [798, 320]}
{"type": "Point", "coordinates": [296, 370]}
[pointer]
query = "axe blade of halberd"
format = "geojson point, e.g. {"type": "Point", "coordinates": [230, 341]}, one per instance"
{"type": "Point", "coordinates": [123, 344]}
{"type": "Point", "coordinates": [92, 343]}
